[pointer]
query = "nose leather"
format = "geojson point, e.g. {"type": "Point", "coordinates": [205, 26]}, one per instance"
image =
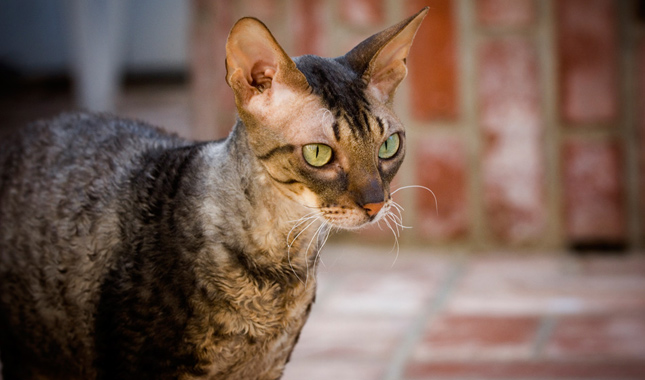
{"type": "Point", "coordinates": [373, 208]}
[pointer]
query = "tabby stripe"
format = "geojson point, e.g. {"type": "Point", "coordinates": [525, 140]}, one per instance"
{"type": "Point", "coordinates": [354, 124]}
{"type": "Point", "coordinates": [336, 131]}
{"type": "Point", "coordinates": [287, 182]}
{"type": "Point", "coordinates": [380, 125]}
{"type": "Point", "coordinates": [366, 122]}
{"type": "Point", "coordinates": [284, 149]}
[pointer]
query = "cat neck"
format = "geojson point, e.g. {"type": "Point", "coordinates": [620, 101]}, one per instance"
{"type": "Point", "coordinates": [266, 224]}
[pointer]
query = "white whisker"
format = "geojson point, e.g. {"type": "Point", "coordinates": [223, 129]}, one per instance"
{"type": "Point", "coordinates": [388, 217]}
{"type": "Point", "coordinates": [396, 242]}
{"type": "Point", "coordinates": [321, 245]}
{"type": "Point", "coordinates": [397, 207]}
{"type": "Point", "coordinates": [314, 237]}
{"type": "Point", "coordinates": [304, 217]}
{"type": "Point", "coordinates": [311, 218]}
{"type": "Point", "coordinates": [398, 220]}
{"type": "Point", "coordinates": [324, 242]}
{"type": "Point", "coordinates": [436, 203]}
{"type": "Point", "coordinates": [314, 217]}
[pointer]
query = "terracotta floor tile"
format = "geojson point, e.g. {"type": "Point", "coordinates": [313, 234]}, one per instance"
{"type": "Point", "coordinates": [327, 337]}
{"type": "Point", "coordinates": [334, 370]}
{"type": "Point", "coordinates": [551, 285]}
{"type": "Point", "coordinates": [477, 337]}
{"type": "Point", "coordinates": [628, 370]}
{"type": "Point", "coordinates": [598, 337]}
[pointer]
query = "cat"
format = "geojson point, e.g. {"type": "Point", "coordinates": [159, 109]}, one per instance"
{"type": "Point", "coordinates": [129, 253]}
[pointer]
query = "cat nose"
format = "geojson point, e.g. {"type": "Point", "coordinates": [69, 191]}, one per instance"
{"type": "Point", "coordinates": [373, 208]}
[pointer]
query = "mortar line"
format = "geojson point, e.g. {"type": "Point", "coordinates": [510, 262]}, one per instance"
{"type": "Point", "coordinates": [542, 336]}
{"type": "Point", "coordinates": [468, 61]}
{"type": "Point", "coordinates": [552, 136]}
{"type": "Point", "coordinates": [628, 124]}
{"type": "Point", "coordinates": [396, 369]}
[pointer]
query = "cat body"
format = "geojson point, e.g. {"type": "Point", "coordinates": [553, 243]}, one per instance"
{"type": "Point", "coordinates": [128, 253]}
{"type": "Point", "coordinates": [147, 234]}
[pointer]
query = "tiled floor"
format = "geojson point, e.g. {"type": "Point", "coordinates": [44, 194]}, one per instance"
{"type": "Point", "coordinates": [453, 316]}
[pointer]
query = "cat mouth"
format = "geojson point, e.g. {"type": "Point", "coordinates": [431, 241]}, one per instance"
{"type": "Point", "coordinates": [356, 217]}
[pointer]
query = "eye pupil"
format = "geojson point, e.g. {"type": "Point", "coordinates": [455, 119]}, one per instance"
{"type": "Point", "coordinates": [317, 155]}
{"type": "Point", "coordinates": [390, 147]}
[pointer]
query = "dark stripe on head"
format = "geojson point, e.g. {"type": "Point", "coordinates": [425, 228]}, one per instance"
{"type": "Point", "coordinates": [381, 127]}
{"type": "Point", "coordinates": [284, 149]}
{"type": "Point", "coordinates": [341, 89]}
{"type": "Point", "coordinates": [336, 130]}
{"type": "Point", "coordinates": [366, 122]}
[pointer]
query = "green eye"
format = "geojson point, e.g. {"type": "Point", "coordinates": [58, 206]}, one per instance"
{"type": "Point", "coordinates": [389, 147]}
{"type": "Point", "coordinates": [316, 154]}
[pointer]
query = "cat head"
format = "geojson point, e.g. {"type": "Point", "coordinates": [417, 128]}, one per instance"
{"type": "Point", "coordinates": [324, 128]}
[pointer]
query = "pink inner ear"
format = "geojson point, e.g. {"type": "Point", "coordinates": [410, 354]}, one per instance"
{"type": "Point", "coordinates": [262, 75]}
{"type": "Point", "coordinates": [389, 68]}
{"type": "Point", "coordinates": [384, 83]}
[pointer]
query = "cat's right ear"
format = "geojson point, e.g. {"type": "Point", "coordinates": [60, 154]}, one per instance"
{"type": "Point", "coordinates": [256, 64]}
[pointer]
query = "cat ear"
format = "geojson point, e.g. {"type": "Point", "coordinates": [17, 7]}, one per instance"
{"type": "Point", "coordinates": [381, 59]}
{"type": "Point", "coordinates": [255, 62]}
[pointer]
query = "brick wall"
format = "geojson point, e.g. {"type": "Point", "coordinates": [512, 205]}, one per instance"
{"type": "Point", "coordinates": [526, 117]}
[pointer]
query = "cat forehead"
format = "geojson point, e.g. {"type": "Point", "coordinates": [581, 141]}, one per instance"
{"type": "Point", "coordinates": [335, 82]}
{"type": "Point", "coordinates": [342, 91]}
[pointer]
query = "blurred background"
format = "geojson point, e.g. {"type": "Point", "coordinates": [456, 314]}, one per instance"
{"type": "Point", "coordinates": [525, 117]}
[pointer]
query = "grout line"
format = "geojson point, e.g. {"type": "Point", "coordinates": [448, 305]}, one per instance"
{"type": "Point", "coordinates": [542, 336]}
{"type": "Point", "coordinates": [396, 367]}
{"type": "Point", "coordinates": [467, 81]}
{"type": "Point", "coordinates": [628, 124]}
{"type": "Point", "coordinates": [552, 137]}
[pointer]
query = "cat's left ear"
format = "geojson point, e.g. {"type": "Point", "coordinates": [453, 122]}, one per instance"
{"type": "Point", "coordinates": [381, 59]}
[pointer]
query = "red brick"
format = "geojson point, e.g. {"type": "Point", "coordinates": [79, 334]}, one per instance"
{"type": "Point", "coordinates": [362, 12]}
{"type": "Point", "coordinates": [526, 370]}
{"type": "Point", "coordinates": [588, 60]}
{"type": "Point", "coordinates": [213, 102]}
{"type": "Point", "coordinates": [455, 337]}
{"type": "Point", "coordinates": [441, 165]}
{"type": "Point", "coordinates": [509, 13]}
{"type": "Point", "coordinates": [596, 337]}
{"type": "Point", "coordinates": [433, 63]}
{"type": "Point", "coordinates": [511, 121]}
{"type": "Point", "coordinates": [264, 10]}
{"type": "Point", "coordinates": [593, 191]}
{"type": "Point", "coordinates": [308, 27]}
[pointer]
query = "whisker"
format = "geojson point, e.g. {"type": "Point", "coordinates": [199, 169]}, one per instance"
{"type": "Point", "coordinates": [388, 216]}
{"type": "Point", "coordinates": [398, 220]}
{"type": "Point", "coordinates": [436, 203]}
{"type": "Point", "coordinates": [396, 242]}
{"type": "Point", "coordinates": [307, 218]}
{"type": "Point", "coordinates": [321, 245]}
{"type": "Point", "coordinates": [398, 207]}
{"type": "Point", "coordinates": [322, 225]}
{"type": "Point", "coordinates": [314, 217]}
{"type": "Point", "coordinates": [324, 242]}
